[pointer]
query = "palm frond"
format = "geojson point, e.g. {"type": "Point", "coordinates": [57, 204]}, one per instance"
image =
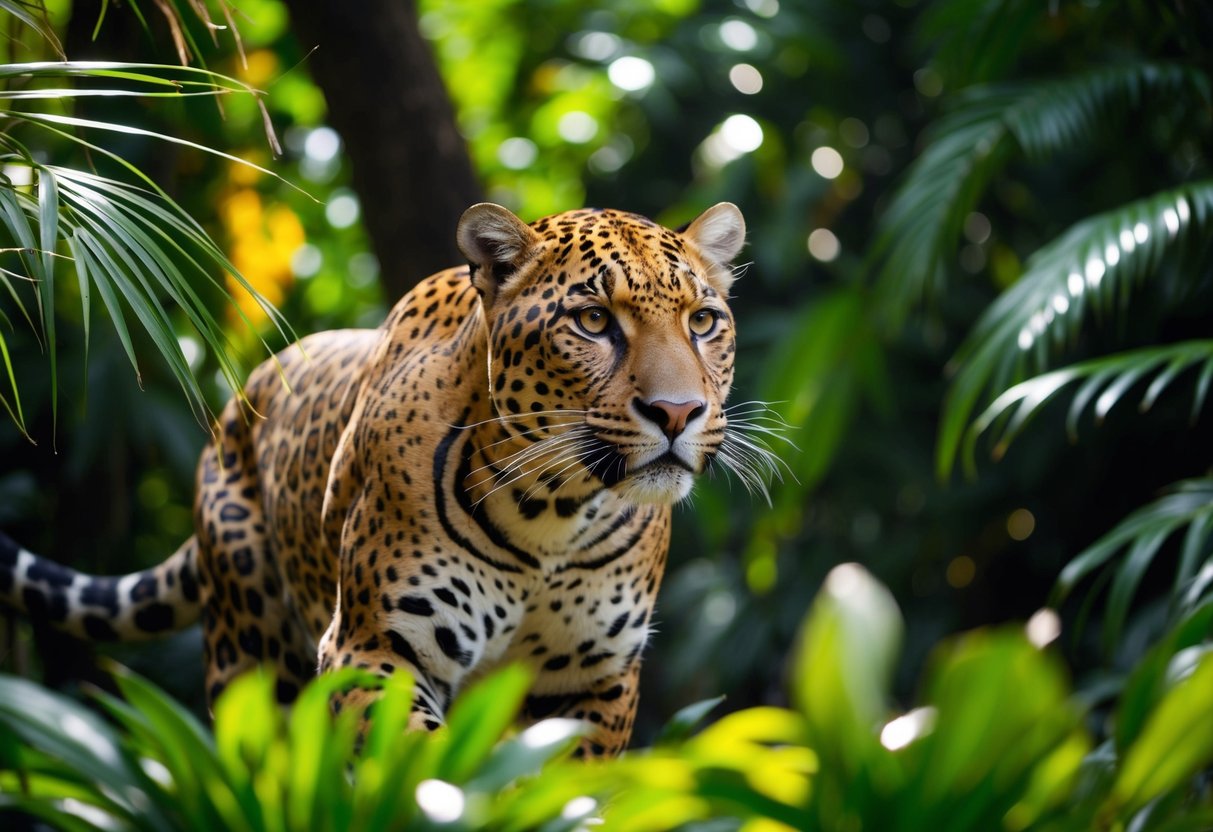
{"type": "Point", "coordinates": [1106, 381]}
{"type": "Point", "coordinates": [968, 147]}
{"type": "Point", "coordinates": [134, 245]}
{"type": "Point", "coordinates": [1092, 266]}
{"type": "Point", "coordinates": [1140, 536]}
{"type": "Point", "coordinates": [976, 42]}
{"type": "Point", "coordinates": [33, 15]}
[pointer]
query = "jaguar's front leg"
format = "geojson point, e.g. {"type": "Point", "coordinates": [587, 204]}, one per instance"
{"type": "Point", "coordinates": [608, 706]}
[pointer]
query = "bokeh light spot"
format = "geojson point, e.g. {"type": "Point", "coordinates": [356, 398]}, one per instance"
{"type": "Point", "coordinates": [823, 245]}
{"type": "Point", "coordinates": [746, 79]}
{"type": "Point", "coordinates": [742, 133]}
{"type": "Point", "coordinates": [577, 127]}
{"type": "Point", "coordinates": [342, 209]}
{"type": "Point", "coordinates": [1020, 524]}
{"type": "Point", "coordinates": [517, 153]}
{"type": "Point", "coordinates": [631, 73]}
{"type": "Point", "coordinates": [960, 572]}
{"type": "Point", "coordinates": [827, 162]}
{"type": "Point", "coordinates": [738, 35]}
{"type": "Point", "coordinates": [440, 801]}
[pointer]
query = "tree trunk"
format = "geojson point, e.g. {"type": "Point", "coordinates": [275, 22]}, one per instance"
{"type": "Point", "coordinates": [411, 167]}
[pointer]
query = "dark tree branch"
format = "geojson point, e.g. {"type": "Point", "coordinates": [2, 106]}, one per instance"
{"type": "Point", "coordinates": [411, 167]}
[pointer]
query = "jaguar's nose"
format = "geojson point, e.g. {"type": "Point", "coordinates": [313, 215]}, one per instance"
{"type": "Point", "coordinates": [671, 417]}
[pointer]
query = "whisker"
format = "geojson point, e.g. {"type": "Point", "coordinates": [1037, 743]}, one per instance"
{"type": "Point", "coordinates": [520, 471]}
{"type": "Point", "coordinates": [521, 434]}
{"type": "Point", "coordinates": [518, 458]}
{"type": "Point", "coordinates": [573, 460]}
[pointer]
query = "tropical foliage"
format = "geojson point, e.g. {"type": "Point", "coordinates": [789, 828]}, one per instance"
{"type": "Point", "coordinates": [128, 240]}
{"type": "Point", "coordinates": [979, 297]}
{"type": "Point", "coordinates": [998, 742]}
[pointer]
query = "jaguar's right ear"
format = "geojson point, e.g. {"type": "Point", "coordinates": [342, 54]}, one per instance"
{"type": "Point", "coordinates": [496, 243]}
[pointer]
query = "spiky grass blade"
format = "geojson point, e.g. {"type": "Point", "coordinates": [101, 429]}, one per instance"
{"type": "Point", "coordinates": [1092, 266]}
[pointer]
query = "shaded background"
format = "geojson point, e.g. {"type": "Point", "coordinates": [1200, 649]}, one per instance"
{"type": "Point", "coordinates": [807, 115]}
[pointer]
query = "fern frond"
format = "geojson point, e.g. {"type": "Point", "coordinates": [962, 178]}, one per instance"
{"type": "Point", "coordinates": [1187, 504]}
{"type": "Point", "coordinates": [968, 147]}
{"type": "Point", "coordinates": [1093, 265]}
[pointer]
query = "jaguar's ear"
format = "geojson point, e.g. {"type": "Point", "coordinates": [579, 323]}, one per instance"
{"type": "Point", "coordinates": [718, 234]}
{"type": "Point", "coordinates": [495, 242]}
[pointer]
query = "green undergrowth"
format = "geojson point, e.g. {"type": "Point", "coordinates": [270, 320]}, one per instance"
{"type": "Point", "coordinates": [997, 741]}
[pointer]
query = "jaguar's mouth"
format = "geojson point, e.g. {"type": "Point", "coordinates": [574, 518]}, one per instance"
{"type": "Point", "coordinates": [669, 461]}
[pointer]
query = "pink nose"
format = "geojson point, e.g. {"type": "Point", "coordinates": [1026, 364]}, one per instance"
{"type": "Point", "coordinates": [671, 417]}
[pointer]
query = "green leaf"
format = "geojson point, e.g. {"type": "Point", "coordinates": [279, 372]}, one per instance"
{"type": "Point", "coordinates": [35, 17]}
{"type": "Point", "coordinates": [66, 731]}
{"type": "Point", "coordinates": [683, 723]}
{"type": "Point", "coordinates": [188, 752]}
{"type": "Point", "coordinates": [1148, 681]}
{"type": "Point", "coordinates": [131, 130]}
{"type": "Point", "coordinates": [1143, 531]}
{"type": "Point", "coordinates": [48, 227]}
{"type": "Point", "coordinates": [1175, 743]}
{"type": "Point", "coordinates": [843, 667]}
{"type": "Point", "coordinates": [976, 42]}
{"type": "Point", "coordinates": [14, 409]}
{"type": "Point", "coordinates": [479, 718]}
{"type": "Point", "coordinates": [321, 749]}
{"type": "Point", "coordinates": [1001, 716]}
{"type": "Point", "coordinates": [81, 243]}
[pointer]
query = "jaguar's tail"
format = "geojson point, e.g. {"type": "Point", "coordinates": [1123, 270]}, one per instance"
{"type": "Point", "coordinates": [132, 607]}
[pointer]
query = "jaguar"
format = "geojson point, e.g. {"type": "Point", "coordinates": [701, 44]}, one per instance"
{"type": "Point", "coordinates": [487, 478]}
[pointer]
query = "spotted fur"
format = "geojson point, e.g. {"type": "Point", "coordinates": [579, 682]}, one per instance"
{"type": "Point", "coordinates": [486, 478]}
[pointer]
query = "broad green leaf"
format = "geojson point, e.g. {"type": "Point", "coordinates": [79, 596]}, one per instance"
{"type": "Point", "coordinates": [1175, 743]}
{"type": "Point", "coordinates": [1001, 712]}
{"type": "Point", "coordinates": [990, 126]}
{"type": "Point", "coordinates": [478, 719]}
{"type": "Point", "coordinates": [527, 753]}
{"type": "Point", "coordinates": [188, 752]}
{"type": "Point", "coordinates": [686, 720]}
{"type": "Point", "coordinates": [66, 731]}
{"type": "Point", "coordinates": [842, 672]}
{"type": "Point", "coordinates": [1147, 683]}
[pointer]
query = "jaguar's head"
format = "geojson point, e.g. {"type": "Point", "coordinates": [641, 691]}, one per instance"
{"type": "Point", "coordinates": [611, 343]}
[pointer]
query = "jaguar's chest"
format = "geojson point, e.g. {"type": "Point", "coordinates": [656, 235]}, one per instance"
{"type": "Point", "coordinates": [572, 630]}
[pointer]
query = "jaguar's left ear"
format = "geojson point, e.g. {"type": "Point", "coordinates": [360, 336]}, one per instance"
{"type": "Point", "coordinates": [719, 235]}
{"type": "Point", "coordinates": [496, 243]}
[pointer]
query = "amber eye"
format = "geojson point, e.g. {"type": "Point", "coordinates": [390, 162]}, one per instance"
{"type": "Point", "coordinates": [703, 322]}
{"type": "Point", "coordinates": [593, 319]}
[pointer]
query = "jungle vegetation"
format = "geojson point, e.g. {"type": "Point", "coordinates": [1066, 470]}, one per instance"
{"type": "Point", "coordinates": [979, 294]}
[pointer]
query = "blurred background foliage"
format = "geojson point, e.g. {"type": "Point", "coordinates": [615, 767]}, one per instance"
{"type": "Point", "coordinates": [945, 200]}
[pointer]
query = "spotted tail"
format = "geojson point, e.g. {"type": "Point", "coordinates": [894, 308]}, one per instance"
{"type": "Point", "coordinates": [132, 607]}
